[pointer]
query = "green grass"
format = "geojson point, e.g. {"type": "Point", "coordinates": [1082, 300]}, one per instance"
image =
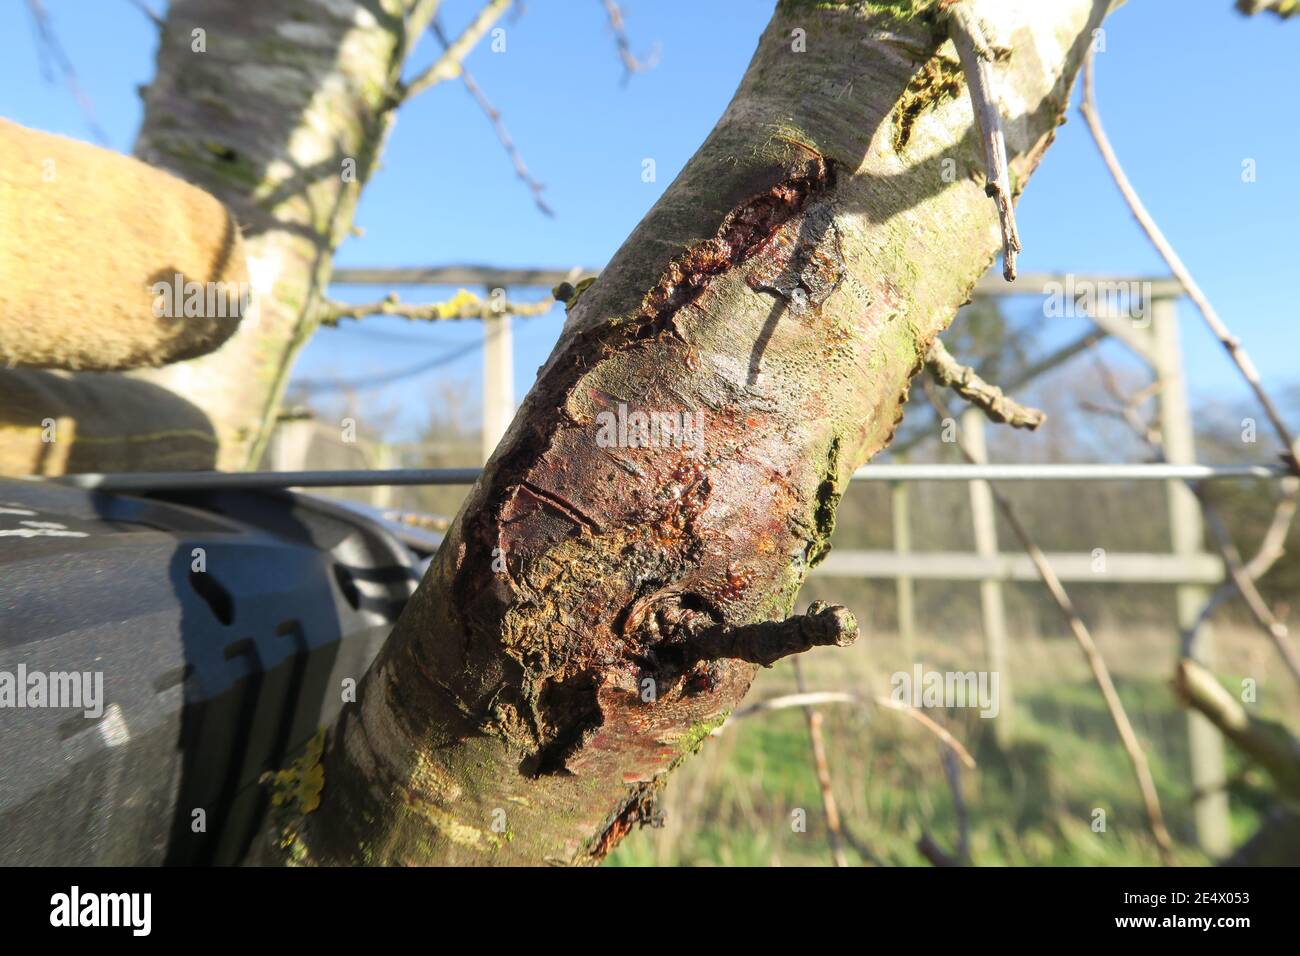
{"type": "Point", "coordinates": [1031, 802]}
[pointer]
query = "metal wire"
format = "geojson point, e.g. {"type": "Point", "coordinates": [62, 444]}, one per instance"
{"type": "Point", "coordinates": [213, 480]}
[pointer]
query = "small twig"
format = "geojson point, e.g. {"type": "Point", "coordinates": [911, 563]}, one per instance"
{"type": "Point", "coordinates": [1229, 341]}
{"type": "Point", "coordinates": [965, 381]}
{"type": "Point", "coordinates": [953, 773]}
{"type": "Point", "coordinates": [53, 50]}
{"type": "Point", "coordinates": [977, 58]}
{"type": "Point", "coordinates": [494, 117]}
{"type": "Point", "coordinates": [463, 305]}
{"type": "Point", "coordinates": [1270, 744]}
{"type": "Point", "coordinates": [1242, 576]}
{"type": "Point", "coordinates": [1281, 8]}
{"type": "Point", "coordinates": [148, 11]}
{"type": "Point", "coordinates": [765, 643]}
{"type": "Point", "coordinates": [818, 698]}
{"type": "Point", "coordinates": [1096, 663]}
{"type": "Point", "coordinates": [822, 767]}
{"type": "Point", "coordinates": [933, 853]}
{"type": "Point", "coordinates": [631, 64]}
{"type": "Point", "coordinates": [448, 65]}
{"type": "Point", "coordinates": [929, 724]}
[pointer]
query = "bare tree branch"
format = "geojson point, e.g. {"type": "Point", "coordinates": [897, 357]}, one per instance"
{"type": "Point", "coordinates": [148, 11]}
{"type": "Point", "coordinates": [52, 50]}
{"type": "Point", "coordinates": [1229, 341]}
{"type": "Point", "coordinates": [1281, 8]}
{"type": "Point", "coordinates": [1242, 575]}
{"type": "Point", "coordinates": [463, 305]}
{"type": "Point", "coordinates": [965, 381]}
{"type": "Point", "coordinates": [1270, 744]}
{"type": "Point", "coordinates": [1096, 663]}
{"type": "Point", "coordinates": [630, 62]}
{"type": "Point", "coordinates": [448, 65]}
{"type": "Point", "coordinates": [977, 58]}
{"type": "Point", "coordinates": [818, 698]}
{"type": "Point", "coordinates": [822, 767]}
{"type": "Point", "coordinates": [494, 117]}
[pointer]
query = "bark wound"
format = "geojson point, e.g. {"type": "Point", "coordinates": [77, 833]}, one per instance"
{"type": "Point", "coordinates": [632, 609]}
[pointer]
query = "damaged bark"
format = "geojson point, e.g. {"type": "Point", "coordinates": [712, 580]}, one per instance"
{"type": "Point", "coordinates": [597, 608]}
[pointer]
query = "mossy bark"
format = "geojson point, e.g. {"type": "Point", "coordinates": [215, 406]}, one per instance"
{"type": "Point", "coordinates": [785, 288]}
{"type": "Point", "coordinates": [282, 117]}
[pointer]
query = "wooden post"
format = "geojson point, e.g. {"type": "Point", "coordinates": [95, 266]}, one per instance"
{"type": "Point", "coordinates": [992, 608]}
{"type": "Point", "coordinates": [1205, 746]}
{"type": "Point", "coordinates": [898, 497]}
{"type": "Point", "coordinates": [498, 378]}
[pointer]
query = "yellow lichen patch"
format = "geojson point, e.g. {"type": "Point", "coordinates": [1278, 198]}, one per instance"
{"type": "Point", "coordinates": [431, 780]}
{"type": "Point", "coordinates": [299, 786]}
{"type": "Point", "coordinates": [939, 80]}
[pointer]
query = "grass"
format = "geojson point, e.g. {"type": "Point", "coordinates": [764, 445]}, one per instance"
{"type": "Point", "coordinates": [1031, 802]}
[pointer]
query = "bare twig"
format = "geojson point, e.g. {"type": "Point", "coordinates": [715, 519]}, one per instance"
{"type": "Point", "coordinates": [494, 117]}
{"type": "Point", "coordinates": [1270, 744]}
{"type": "Point", "coordinates": [630, 62]}
{"type": "Point", "coordinates": [148, 11]}
{"type": "Point", "coordinates": [965, 381]}
{"type": "Point", "coordinates": [953, 772]}
{"type": "Point", "coordinates": [977, 58]}
{"type": "Point", "coordinates": [448, 65]}
{"type": "Point", "coordinates": [822, 767]}
{"type": "Point", "coordinates": [1229, 341]}
{"type": "Point", "coordinates": [1097, 664]}
{"type": "Point", "coordinates": [52, 50]}
{"type": "Point", "coordinates": [818, 698]}
{"type": "Point", "coordinates": [1242, 575]}
{"type": "Point", "coordinates": [1281, 8]}
{"type": "Point", "coordinates": [463, 305]}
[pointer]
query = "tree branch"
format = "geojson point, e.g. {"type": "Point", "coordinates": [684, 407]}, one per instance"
{"type": "Point", "coordinates": [494, 117]}
{"type": "Point", "coordinates": [463, 305]}
{"type": "Point", "coordinates": [977, 58]}
{"type": "Point", "coordinates": [965, 381]}
{"type": "Point", "coordinates": [1229, 341]}
{"type": "Point", "coordinates": [1270, 744]}
{"type": "Point", "coordinates": [1096, 663]}
{"type": "Point", "coordinates": [765, 643]}
{"type": "Point", "coordinates": [823, 770]}
{"type": "Point", "coordinates": [448, 65]}
{"type": "Point", "coordinates": [630, 62]}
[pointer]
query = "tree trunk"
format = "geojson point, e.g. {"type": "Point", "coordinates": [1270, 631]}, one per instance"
{"type": "Point", "coordinates": [283, 118]}
{"type": "Point", "coordinates": [601, 602]}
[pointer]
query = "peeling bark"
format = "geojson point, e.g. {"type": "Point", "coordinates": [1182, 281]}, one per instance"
{"type": "Point", "coordinates": [597, 608]}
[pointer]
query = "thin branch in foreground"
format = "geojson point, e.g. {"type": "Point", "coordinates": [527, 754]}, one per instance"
{"type": "Point", "coordinates": [977, 58]}
{"type": "Point", "coordinates": [818, 698]}
{"type": "Point", "coordinates": [631, 64]}
{"type": "Point", "coordinates": [1096, 663]}
{"type": "Point", "coordinates": [1270, 744]}
{"type": "Point", "coordinates": [52, 50]}
{"type": "Point", "coordinates": [448, 65]}
{"type": "Point", "coordinates": [494, 117]}
{"type": "Point", "coordinates": [463, 305]}
{"type": "Point", "coordinates": [148, 11]}
{"type": "Point", "coordinates": [965, 381]}
{"type": "Point", "coordinates": [1229, 341]}
{"type": "Point", "coordinates": [1242, 575]}
{"type": "Point", "coordinates": [822, 767]}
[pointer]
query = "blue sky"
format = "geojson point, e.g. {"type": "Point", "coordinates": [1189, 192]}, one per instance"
{"type": "Point", "coordinates": [1186, 96]}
